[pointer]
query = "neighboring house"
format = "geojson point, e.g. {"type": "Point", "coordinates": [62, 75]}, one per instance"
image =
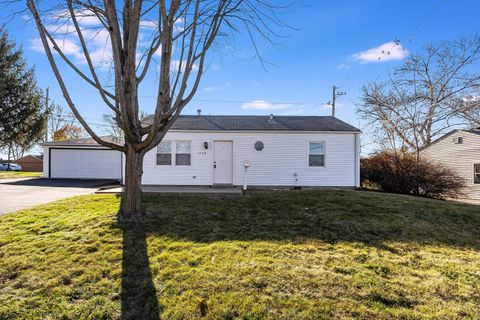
{"type": "Point", "coordinates": [459, 150]}
{"type": "Point", "coordinates": [31, 163]}
{"type": "Point", "coordinates": [212, 150]}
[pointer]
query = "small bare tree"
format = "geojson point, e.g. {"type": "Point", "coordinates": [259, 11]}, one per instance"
{"type": "Point", "coordinates": [179, 36]}
{"type": "Point", "coordinates": [420, 102]}
{"type": "Point", "coordinates": [58, 118]}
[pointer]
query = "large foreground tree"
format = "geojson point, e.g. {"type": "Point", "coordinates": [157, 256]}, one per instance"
{"type": "Point", "coordinates": [22, 116]}
{"type": "Point", "coordinates": [431, 93]}
{"type": "Point", "coordinates": [177, 34]}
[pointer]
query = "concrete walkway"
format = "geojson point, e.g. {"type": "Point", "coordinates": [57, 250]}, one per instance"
{"type": "Point", "coordinates": [176, 189]}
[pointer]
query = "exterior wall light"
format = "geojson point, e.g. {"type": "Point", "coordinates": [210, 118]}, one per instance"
{"type": "Point", "coordinates": [205, 145]}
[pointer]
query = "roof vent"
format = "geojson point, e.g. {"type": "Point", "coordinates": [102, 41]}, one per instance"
{"type": "Point", "coordinates": [199, 112]}
{"type": "Point", "coordinates": [271, 117]}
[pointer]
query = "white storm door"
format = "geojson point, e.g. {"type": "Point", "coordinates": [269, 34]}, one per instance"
{"type": "Point", "coordinates": [223, 162]}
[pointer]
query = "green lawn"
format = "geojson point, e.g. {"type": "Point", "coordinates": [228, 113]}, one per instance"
{"type": "Point", "coordinates": [266, 255]}
{"type": "Point", "coordinates": [19, 174]}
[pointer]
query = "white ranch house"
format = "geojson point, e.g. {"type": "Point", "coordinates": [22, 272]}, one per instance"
{"type": "Point", "coordinates": [460, 150]}
{"type": "Point", "coordinates": [198, 150]}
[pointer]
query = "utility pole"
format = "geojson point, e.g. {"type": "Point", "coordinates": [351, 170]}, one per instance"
{"type": "Point", "coordinates": [336, 94]}
{"type": "Point", "coordinates": [47, 111]}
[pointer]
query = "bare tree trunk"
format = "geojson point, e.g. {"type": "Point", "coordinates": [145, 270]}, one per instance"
{"type": "Point", "coordinates": [132, 196]}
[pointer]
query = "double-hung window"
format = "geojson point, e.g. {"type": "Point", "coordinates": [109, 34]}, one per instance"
{"type": "Point", "coordinates": [182, 153]}
{"type": "Point", "coordinates": [164, 153]}
{"type": "Point", "coordinates": [316, 154]}
{"type": "Point", "coordinates": [476, 173]}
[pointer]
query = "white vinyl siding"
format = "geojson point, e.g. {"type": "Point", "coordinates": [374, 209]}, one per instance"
{"type": "Point", "coordinates": [460, 157]}
{"type": "Point", "coordinates": [284, 161]}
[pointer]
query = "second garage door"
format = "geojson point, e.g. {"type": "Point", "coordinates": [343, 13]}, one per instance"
{"type": "Point", "coordinates": [85, 164]}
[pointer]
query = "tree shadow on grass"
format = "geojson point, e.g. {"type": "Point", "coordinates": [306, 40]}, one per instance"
{"type": "Point", "coordinates": [139, 296]}
{"type": "Point", "coordinates": [330, 216]}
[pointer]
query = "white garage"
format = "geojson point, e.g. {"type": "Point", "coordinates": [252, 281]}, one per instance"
{"type": "Point", "coordinates": [83, 161]}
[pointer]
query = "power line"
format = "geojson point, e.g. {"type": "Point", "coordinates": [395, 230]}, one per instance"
{"type": "Point", "coordinates": [303, 103]}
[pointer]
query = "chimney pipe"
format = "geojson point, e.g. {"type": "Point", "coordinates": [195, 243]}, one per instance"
{"type": "Point", "coordinates": [199, 112]}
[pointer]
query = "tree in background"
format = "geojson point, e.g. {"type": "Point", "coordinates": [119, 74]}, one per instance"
{"type": "Point", "coordinates": [177, 34]}
{"type": "Point", "coordinates": [470, 109]}
{"type": "Point", "coordinates": [68, 132]}
{"type": "Point", "coordinates": [111, 125]}
{"type": "Point", "coordinates": [426, 97]}
{"type": "Point", "coordinates": [22, 118]}
{"type": "Point", "coordinates": [59, 120]}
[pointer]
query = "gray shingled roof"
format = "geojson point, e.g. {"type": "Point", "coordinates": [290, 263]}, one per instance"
{"type": "Point", "coordinates": [473, 131]}
{"type": "Point", "coordinates": [236, 123]}
{"type": "Point", "coordinates": [265, 123]}
{"type": "Point", "coordinates": [83, 142]}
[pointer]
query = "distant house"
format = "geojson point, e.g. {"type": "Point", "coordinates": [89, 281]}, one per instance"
{"type": "Point", "coordinates": [460, 150]}
{"type": "Point", "coordinates": [214, 150]}
{"type": "Point", "coordinates": [31, 163]}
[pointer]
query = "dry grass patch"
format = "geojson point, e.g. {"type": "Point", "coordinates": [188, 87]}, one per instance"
{"type": "Point", "coordinates": [19, 174]}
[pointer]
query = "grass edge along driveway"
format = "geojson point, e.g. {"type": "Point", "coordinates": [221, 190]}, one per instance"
{"type": "Point", "coordinates": [267, 255]}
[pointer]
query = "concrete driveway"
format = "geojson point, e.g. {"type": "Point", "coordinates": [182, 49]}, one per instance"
{"type": "Point", "coordinates": [18, 194]}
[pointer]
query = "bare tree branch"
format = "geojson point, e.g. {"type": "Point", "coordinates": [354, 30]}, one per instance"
{"type": "Point", "coordinates": [426, 96]}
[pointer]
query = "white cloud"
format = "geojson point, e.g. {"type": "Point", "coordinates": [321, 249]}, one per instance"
{"type": "Point", "coordinates": [176, 64]}
{"type": "Point", "coordinates": [263, 105]}
{"type": "Point", "coordinates": [61, 29]}
{"type": "Point", "coordinates": [36, 45]}
{"type": "Point", "coordinates": [96, 37]}
{"type": "Point", "coordinates": [84, 17]}
{"type": "Point", "coordinates": [388, 51]}
{"type": "Point", "coordinates": [343, 66]}
{"type": "Point", "coordinates": [100, 51]}
{"type": "Point", "coordinates": [149, 24]}
{"type": "Point", "coordinates": [66, 45]}
{"type": "Point", "coordinates": [179, 25]}
{"type": "Point", "coordinates": [217, 88]}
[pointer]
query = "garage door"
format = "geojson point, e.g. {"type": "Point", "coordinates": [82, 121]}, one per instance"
{"type": "Point", "coordinates": [85, 164]}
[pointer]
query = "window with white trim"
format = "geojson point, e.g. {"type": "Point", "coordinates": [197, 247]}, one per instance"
{"type": "Point", "coordinates": [164, 153]}
{"type": "Point", "coordinates": [182, 153]}
{"type": "Point", "coordinates": [316, 154]}
{"type": "Point", "coordinates": [476, 173]}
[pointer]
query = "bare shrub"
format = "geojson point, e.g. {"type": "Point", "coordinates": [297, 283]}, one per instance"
{"type": "Point", "coordinates": [399, 171]}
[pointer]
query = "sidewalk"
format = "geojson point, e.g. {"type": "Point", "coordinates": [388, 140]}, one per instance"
{"type": "Point", "coordinates": [176, 189]}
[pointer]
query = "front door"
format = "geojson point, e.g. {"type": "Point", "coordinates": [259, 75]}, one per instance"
{"type": "Point", "coordinates": [222, 162]}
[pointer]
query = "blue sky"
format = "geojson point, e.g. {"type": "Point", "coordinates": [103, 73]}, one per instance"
{"type": "Point", "coordinates": [330, 47]}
